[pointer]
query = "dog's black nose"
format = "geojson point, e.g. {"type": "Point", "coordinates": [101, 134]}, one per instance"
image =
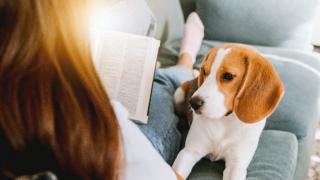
{"type": "Point", "coordinates": [196, 102]}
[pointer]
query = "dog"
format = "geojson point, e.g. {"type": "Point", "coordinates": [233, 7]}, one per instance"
{"type": "Point", "coordinates": [227, 106]}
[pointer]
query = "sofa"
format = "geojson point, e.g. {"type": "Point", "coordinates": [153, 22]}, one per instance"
{"type": "Point", "coordinates": [283, 37]}
{"type": "Point", "coordinates": [287, 141]}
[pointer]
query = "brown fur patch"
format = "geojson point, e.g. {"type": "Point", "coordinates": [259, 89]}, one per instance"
{"type": "Point", "coordinates": [255, 90]}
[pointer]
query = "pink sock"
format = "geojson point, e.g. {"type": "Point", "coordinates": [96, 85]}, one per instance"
{"type": "Point", "coordinates": [192, 36]}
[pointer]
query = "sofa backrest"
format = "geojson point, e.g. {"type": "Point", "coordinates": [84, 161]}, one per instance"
{"type": "Point", "coordinates": [267, 23]}
{"type": "Point", "coordinates": [187, 6]}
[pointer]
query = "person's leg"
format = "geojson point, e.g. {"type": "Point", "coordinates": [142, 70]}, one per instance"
{"type": "Point", "coordinates": [161, 129]}
{"type": "Point", "coordinates": [162, 124]}
{"type": "Point", "coordinates": [192, 36]}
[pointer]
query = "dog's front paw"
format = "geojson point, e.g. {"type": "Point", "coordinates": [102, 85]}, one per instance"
{"type": "Point", "coordinates": [185, 161]}
{"type": "Point", "coordinates": [181, 97]}
{"type": "Point", "coordinates": [235, 173]}
{"type": "Point", "coordinates": [179, 102]}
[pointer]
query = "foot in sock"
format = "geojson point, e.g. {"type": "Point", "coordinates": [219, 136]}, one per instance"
{"type": "Point", "coordinates": [192, 36]}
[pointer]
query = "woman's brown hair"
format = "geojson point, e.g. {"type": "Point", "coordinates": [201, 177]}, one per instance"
{"type": "Point", "coordinates": [54, 112]}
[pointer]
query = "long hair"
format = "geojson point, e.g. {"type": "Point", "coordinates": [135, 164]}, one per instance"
{"type": "Point", "coordinates": [54, 112]}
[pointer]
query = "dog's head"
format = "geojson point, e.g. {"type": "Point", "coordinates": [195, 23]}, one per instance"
{"type": "Point", "coordinates": [236, 78]}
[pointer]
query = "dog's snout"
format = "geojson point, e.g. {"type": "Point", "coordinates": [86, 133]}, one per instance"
{"type": "Point", "coordinates": [196, 102]}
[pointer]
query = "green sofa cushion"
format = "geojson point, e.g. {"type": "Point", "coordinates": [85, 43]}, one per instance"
{"type": "Point", "coordinates": [275, 158]}
{"type": "Point", "coordinates": [269, 23]}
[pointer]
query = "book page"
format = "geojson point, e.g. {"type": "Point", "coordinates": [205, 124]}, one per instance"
{"type": "Point", "coordinates": [130, 82]}
{"type": "Point", "coordinates": [126, 65]}
{"type": "Point", "coordinates": [146, 86]}
{"type": "Point", "coordinates": [110, 63]}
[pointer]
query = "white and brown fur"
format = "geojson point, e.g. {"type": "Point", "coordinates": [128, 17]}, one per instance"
{"type": "Point", "coordinates": [228, 122]}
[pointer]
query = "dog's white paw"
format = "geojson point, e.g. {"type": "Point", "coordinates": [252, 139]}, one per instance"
{"type": "Point", "coordinates": [179, 96]}
{"type": "Point", "coordinates": [179, 101]}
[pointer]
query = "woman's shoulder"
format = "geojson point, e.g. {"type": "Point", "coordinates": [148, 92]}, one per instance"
{"type": "Point", "coordinates": [131, 134]}
{"type": "Point", "coordinates": [129, 130]}
{"type": "Point", "coordinates": [121, 112]}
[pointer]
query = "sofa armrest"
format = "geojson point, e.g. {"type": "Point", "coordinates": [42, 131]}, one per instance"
{"type": "Point", "coordinates": [299, 109]}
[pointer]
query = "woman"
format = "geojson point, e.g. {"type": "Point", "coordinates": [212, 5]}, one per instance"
{"type": "Point", "coordinates": [54, 112]}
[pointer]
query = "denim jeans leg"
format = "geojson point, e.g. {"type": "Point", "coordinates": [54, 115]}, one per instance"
{"type": "Point", "coordinates": [161, 129]}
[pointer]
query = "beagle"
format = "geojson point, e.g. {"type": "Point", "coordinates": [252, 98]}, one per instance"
{"type": "Point", "coordinates": [227, 106]}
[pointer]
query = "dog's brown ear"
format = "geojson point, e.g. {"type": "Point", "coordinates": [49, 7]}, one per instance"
{"type": "Point", "coordinates": [261, 90]}
{"type": "Point", "coordinates": [206, 65]}
{"type": "Point", "coordinates": [189, 88]}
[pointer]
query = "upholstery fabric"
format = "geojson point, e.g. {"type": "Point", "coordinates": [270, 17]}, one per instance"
{"type": "Point", "coordinates": [169, 19]}
{"type": "Point", "coordinates": [275, 158]}
{"type": "Point", "coordinates": [268, 23]}
{"type": "Point", "coordinates": [187, 7]}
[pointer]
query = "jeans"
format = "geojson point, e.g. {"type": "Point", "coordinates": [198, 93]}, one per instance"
{"type": "Point", "coordinates": [161, 129]}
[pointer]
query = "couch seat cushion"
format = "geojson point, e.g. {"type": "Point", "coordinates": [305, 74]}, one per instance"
{"type": "Point", "coordinates": [275, 158]}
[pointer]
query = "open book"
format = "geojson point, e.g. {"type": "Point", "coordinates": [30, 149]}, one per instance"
{"type": "Point", "coordinates": [126, 65]}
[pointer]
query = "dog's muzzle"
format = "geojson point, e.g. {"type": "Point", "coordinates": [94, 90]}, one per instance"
{"type": "Point", "coordinates": [196, 103]}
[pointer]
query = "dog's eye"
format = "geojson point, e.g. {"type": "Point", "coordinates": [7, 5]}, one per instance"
{"type": "Point", "coordinates": [227, 76]}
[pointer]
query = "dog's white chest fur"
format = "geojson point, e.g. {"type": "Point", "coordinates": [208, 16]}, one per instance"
{"type": "Point", "coordinates": [226, 138]}
{"type": "Point", "coordinates": [222, 135]}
